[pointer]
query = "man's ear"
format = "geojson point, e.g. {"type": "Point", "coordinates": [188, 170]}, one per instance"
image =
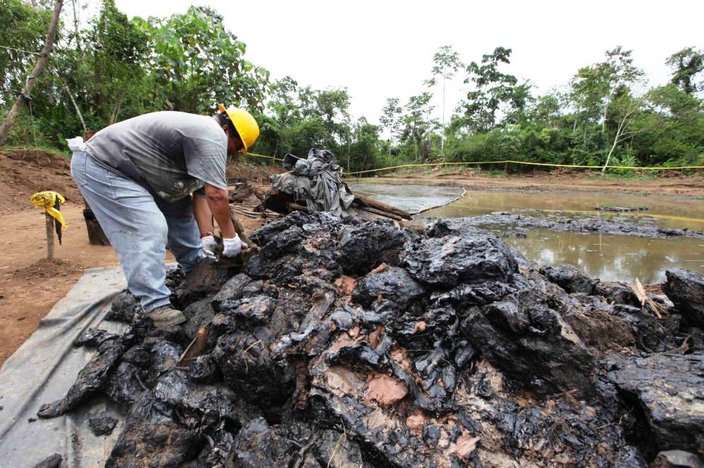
{"type": "Point", "coordinates": [226, 128]}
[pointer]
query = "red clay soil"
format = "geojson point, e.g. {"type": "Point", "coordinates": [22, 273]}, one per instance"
{"type": "Point", "coordinates": [30, 284]}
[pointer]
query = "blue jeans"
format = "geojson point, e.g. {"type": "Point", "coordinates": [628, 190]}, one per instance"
{"type": "Point", "coordinates": [140, 227]}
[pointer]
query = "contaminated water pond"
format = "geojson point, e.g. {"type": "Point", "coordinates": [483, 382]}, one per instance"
{"type": "Point", "coordinates": [606, 256]}
{"type": "Point", "coordinates": [411, 198]}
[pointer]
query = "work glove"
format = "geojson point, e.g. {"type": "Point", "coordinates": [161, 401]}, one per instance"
{"type": "Point", "coordinates": [76, 144]}
{"type": "Point", "coordinates": [209, 243]}
{"type": "Point", "coordinates": [231, 247]}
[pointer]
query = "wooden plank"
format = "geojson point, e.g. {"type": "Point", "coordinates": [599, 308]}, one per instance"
{"type": "Point", "coordinates": [379, 212]}
{"type": "Point", "coordinates": [372, 203]}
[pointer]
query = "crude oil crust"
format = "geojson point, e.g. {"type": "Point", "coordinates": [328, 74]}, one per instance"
{"type": "Point", "coordinates": [350, 343]}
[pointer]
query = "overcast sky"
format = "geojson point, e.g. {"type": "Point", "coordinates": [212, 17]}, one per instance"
{"type": "Point", "coordinates": [381, 49]}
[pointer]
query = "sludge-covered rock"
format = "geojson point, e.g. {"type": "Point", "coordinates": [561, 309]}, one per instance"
{"type": "Point", "coordinates": [666, 396]}
{"type": "Point", "coordinates": [173, 423]}
{"type": "Point", "coordinates": [206, 279]}
{"type": "Point", "coordinates": [102, 424]}
{"type": "Point", "coordinates": [90, 379]}
{"type": "Point", "coordinates": [475, 432]}
{"type": "Point", "coordinates": [569, 278]}
{"type": "Point", "coordinates": [346, 343]}
{"type": "Point", "coordinates": [123, 308]}
{"type": "Point", "coordinates": [596, 324]}
{"type": "Point", "coordinates": [249, 367]}
{"type": "Point", "coordinates": [686, 290]}
{"type": "Point", "coordinates": [528, 340]}
{"type": "Point", "coordinates": [380, 241]}
{"type": "Point", "coordinates": [446, 261]}
{"type": "Point", "coordinates": [390, 284]}
{"type": "Point", "coordinates": [293, 245]}
{"type": "Point", "coordinates": [297, 444]}
{"type": "Point", "coordinates": [152, 436]}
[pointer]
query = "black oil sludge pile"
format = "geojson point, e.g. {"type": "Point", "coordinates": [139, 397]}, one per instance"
{"type": "Point", "coordinates": [349, 343]}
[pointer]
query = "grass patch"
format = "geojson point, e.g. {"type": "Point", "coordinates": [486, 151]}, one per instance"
{"type": "Point", "coordinates": [36, 149]}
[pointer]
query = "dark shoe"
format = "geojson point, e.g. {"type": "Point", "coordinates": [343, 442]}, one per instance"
{"type": "Point", "coordinates": [166, 317]}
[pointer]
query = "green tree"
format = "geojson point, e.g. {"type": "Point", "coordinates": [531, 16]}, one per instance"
{"type": "Point", "coordinates": [332, 106]}
{"type": "Point", "coordinates": [22, 27]}
{"type": "Point", "coordinates": [671, 128]}
{"type": "Point", "coordinates": [417, 125]}
{"type": "Point", "coordinates": [195, 62]}
{"type": "Point", "coordinates": [116, 49]}
{"type": "Point", "coordinates": [594, 87]}
{"type": "Point", "coordinates": [300, 118]}
{"type": "Point", "coordinates": [496, 97]}
{"type": "Point", "coordinates": [624, 109]}
{"type": "Point", "coordinates": [364, 148]}
{"type": "Point", "coordinates": [23, 97]}
{"type": "Point", "coordinates": [687, 65]}
{"type": "Point", "coordinates": [446, 62]}
{"type": "Point", "coordinates": [391, 119]}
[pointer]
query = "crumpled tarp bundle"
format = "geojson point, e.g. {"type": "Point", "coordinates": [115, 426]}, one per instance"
{"type": "Point", "coordinates": [317, 181]}
{"type": "Point", "coordinates": [349, 343]}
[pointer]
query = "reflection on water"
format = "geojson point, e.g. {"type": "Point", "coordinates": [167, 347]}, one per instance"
{"type": "Point", "coordinates": [665, 211]}
{"type": "Point", "coordinates": [608, 257]}
{"type": "Point", "coordinates": [410, 198]}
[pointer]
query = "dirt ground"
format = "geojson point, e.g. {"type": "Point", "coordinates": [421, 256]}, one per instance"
{"type": "Point", "coordinates": [30, 284]}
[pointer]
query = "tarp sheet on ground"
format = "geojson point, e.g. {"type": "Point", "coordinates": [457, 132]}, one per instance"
{"type": "Point", "coordinates": [44, 368]}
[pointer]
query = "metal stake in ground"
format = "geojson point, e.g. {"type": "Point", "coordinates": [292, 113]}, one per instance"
{"type": "Point", "coordinates": [51, 202]}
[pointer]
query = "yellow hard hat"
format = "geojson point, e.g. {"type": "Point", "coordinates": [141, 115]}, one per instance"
{"type": "Point", "coordinates": [244, 123]}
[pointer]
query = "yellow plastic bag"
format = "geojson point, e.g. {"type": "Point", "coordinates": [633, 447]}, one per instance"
{"type": "Point", "coordinates": [50, 201]}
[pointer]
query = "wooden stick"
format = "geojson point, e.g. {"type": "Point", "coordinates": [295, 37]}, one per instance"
{"type": "Point", "coordinates": [379, 212]}
{"type": "Point", "coordinates": [196, 347]}
{"type": "Point", "coordinates": [239, 228]}
{"type": "Point", "coordinates": [296, 207]}
{"type": "Point", "coordinates": [49, 236]}
{"type": "Point", "coordinates": [642, 296]}
{"type": "Point", "coordinates": [370, 202]}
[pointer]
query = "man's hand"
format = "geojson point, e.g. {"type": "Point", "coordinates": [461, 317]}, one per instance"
{"type": "Point", "coordinates": [231, 247]}
{"type": "Point", "coordinates": [219, 206]}
{"type": "Point", "coordinates": [208, 243]}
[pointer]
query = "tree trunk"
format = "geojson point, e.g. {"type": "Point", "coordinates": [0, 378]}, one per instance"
{"type": "Point", "coordinates": [621, 132]}
{"type": "Point", "coordinates": [116, 109]}
{"type": "Point", "coordinates": [611, 151]}
{"type": "Point", "coordinates": [75, 106]}
{"type": "Point", "coordinates": [36, 73]}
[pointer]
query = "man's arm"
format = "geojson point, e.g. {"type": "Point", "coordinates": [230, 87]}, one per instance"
{"type": "Point", "coordinates": [219, 206]}
{"type": "Point", "coordinates": [202, 213]}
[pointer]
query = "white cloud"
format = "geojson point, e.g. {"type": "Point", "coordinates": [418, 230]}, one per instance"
{"type": "Point", "coordinates": [381, 49]}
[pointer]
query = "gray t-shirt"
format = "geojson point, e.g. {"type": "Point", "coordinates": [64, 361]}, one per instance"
{"type": "Point", "coordinates": [173, 153]}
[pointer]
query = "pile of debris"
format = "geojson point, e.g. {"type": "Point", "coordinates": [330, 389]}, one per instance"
{"type": "Point", "coordinates": [315, 184]}
{"type": "Point", "coordinates": [351, 343]}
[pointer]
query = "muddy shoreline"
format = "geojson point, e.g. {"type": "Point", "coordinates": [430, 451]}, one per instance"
{"type": "Point", "coordinates": [556, 181]}
{"type": "Point", "coordinates": [514, 224]}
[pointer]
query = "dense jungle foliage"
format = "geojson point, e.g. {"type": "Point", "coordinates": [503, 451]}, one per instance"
{"type": "Point", "coordinates": [116, 68]}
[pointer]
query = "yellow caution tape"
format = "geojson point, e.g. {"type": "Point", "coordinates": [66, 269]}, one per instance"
{"type": "Point", "coordinates": [525, 163]}
{"type": "Point", "coordinates": [505, 161]}
{"type": "Point", "coordinates": [257, 155]}
{"type": "Point", "coordinates": [47, 200]}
